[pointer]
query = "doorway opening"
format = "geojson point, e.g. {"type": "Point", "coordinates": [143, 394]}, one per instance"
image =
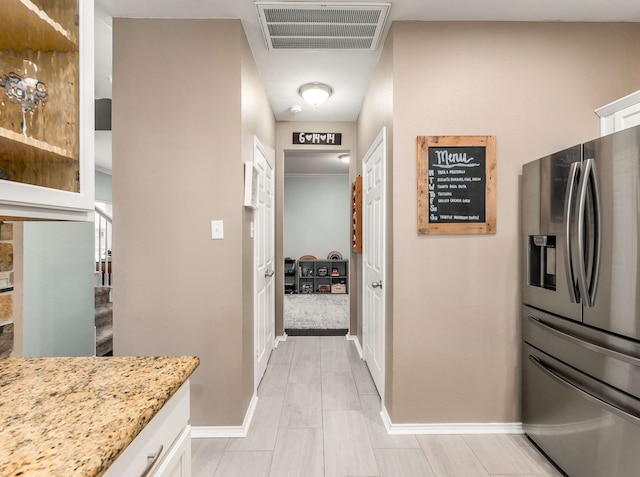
{"type": "Point", "coordinates": [316, 242]}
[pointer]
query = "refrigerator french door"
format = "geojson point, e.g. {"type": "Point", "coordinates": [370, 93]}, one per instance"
{"type": "Point", "coordinates": [581, 229]}
{"type": "Point", "coordinates": [614, 307]}
{"type": "Point", "coordinates": [580, 323]}
{"type": "Point", "coordinates": [547, 282]}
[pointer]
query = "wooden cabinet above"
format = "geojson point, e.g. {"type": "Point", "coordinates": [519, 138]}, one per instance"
{"type": "Point", "coordinates": [46, 109]}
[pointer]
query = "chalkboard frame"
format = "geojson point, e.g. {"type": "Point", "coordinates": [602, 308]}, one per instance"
{"type": "Point", "coordinates": [425, 226]}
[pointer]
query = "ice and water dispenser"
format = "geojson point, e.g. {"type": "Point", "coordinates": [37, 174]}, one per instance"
{"type": "Point", "coordinates": [542, 261]}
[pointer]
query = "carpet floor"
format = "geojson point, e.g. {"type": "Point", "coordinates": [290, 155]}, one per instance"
{"type": "Point", "coordinates": [315, 311]}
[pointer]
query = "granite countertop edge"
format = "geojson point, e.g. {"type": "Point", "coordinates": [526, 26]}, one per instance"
{"type": "Point", "coordinates": [75, 416]}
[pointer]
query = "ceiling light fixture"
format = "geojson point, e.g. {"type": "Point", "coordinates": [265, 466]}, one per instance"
{"type": "Point", "coordinates": [344, 158]}
{"type": "Point", "coordinates": [315, 93]}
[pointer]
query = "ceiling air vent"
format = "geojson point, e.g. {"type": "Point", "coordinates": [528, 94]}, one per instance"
{"type": "Point", "coordinates": [322, 26]}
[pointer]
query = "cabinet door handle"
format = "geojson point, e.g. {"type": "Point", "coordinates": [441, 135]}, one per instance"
{"type": "Point", "coordinates": [376, 284]}
{"type": "Point", "coordinates": [269, 273]}
{"type": "Point", "coordinates": [152, 459]}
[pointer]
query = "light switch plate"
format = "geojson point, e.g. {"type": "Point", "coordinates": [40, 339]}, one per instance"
{"type": "Point", "coordinates": [217, 230]}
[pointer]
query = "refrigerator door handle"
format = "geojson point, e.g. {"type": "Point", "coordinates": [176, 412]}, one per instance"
{"type": "Point", "coordinates": [568, 214]}
{"type": "Point", "coordinates": [583, 189]}
{"type": "Point", "coordinates": [583, 343]}
{"type": "Point", "coordinates": [597, 212]}
{"type": "Point", "coordinates": [590, 397]}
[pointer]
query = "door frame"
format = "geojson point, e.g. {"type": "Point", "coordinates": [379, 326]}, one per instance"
{"type": "Point", "coordinates": [351, 284]}
{"type": "Point", "coordinates": [379, 142]}
{"type": "Point", "coordinates": [268, 154]}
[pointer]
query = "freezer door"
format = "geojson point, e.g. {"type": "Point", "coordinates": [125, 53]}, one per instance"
{"type": "Point", "coordinates": [616, 306]}
{"type": "Point", "coordinates": [586, 427]}
{"type": "Point", "coordinates": [610, 359]}
{"type": "Point", "coordinates": [547, 280]}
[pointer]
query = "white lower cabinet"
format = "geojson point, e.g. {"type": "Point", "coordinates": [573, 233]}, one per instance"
{"type": "Point", "coordinates": [163, 447]}
{"type": "Point", "coordinates": [177, 462]}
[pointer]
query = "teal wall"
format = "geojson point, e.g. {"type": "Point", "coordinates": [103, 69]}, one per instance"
{"type": "Point", "coordinates": [103, 187]}
{"type": "Point", "coordinates": [317, 215]}
{"type": "Point", "coordinates": [58, 296]}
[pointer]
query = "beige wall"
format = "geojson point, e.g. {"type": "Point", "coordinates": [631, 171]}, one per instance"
{"type": "Point", "coordinates": [453, 335]}
{"type": "Point", "coordinates": [456, 298]}
{"type": "Point", "coordinates": [257, 122]}
{"type": "Point", "coordinates": [284, 143]}
{"type": "Point", "coordinates": [181, 128]}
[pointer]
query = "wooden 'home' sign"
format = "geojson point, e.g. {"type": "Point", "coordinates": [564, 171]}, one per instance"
{"type": "Point", "coordinates": [456, 184]}
{"type": "Point", "coordinates": [316, 138]}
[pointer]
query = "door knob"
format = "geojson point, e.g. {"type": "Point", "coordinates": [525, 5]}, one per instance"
{"type": "Point", "coordinates": [376, 284]}
{"type": "Point", "coordinates": [268, 273]}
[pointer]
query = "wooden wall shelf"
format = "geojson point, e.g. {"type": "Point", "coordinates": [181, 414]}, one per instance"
{"type": "Point", "coordinates": [29, 161]}
{"type": "Point", "coordinates": [21, 146]}
{"type": "Point", "coordinates": [24, 16]}
{"type": "Point", "coordinates": [356, 215]}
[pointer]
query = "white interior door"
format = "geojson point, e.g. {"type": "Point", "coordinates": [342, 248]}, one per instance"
{"type": "Point", "coordinates": [373, 258]}
{"type": "Point", "coordinates": [264, 253]}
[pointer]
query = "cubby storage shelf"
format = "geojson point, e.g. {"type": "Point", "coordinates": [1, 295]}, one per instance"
{"type": "Point", "coordinates": [290, 280]}
{"type": "Point", "coordinates": [311, 279]}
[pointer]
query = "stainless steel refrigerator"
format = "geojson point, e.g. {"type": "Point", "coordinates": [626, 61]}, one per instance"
{"type": "Point", "coordinates": [581, 306]}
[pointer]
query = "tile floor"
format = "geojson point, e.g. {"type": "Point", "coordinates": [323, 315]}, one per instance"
{"type": "Point", "coordinates": [318, 416]}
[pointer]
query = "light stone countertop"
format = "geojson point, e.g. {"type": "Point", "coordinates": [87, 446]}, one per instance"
{"type": "Point", "coordinates": [73, 416]}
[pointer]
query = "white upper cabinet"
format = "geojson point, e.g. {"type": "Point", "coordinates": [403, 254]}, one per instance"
{"type": "Point", "coordinates": [47, 110]}
{"type": "Point", "coordinates": [621, 114]}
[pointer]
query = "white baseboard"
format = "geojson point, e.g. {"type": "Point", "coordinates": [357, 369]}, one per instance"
{"type": "Point", "coordinates": [280, 339]}
{"type": "Point", "coordinates": [450, 428]}
{"type": "Point", "coordinates": [356, 342]}
{"type": "Point", "coordinates": [211, 432]}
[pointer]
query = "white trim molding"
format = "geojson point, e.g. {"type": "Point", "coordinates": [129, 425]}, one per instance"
{"type": "Point", "coordinates": [314, 175]}
{"type": "Point", "coordinates": [450, 428]}
{"type": "Point", "coordinates": [618, 104]}
{"type": "Point", "coordinates": [356, 342]}
{"type": "Point", "coordinates": [619, 114]}
{"type": "Point", "coordinates": [211, 432]}
{"type": "Point", "coordinates": [280, 339]}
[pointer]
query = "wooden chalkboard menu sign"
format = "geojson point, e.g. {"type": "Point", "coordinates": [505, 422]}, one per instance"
{"type": "Point", "coordinates": [456, 184]}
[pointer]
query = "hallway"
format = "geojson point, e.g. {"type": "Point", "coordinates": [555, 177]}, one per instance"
{"type": "Point", "coordinates": [318, 415]}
